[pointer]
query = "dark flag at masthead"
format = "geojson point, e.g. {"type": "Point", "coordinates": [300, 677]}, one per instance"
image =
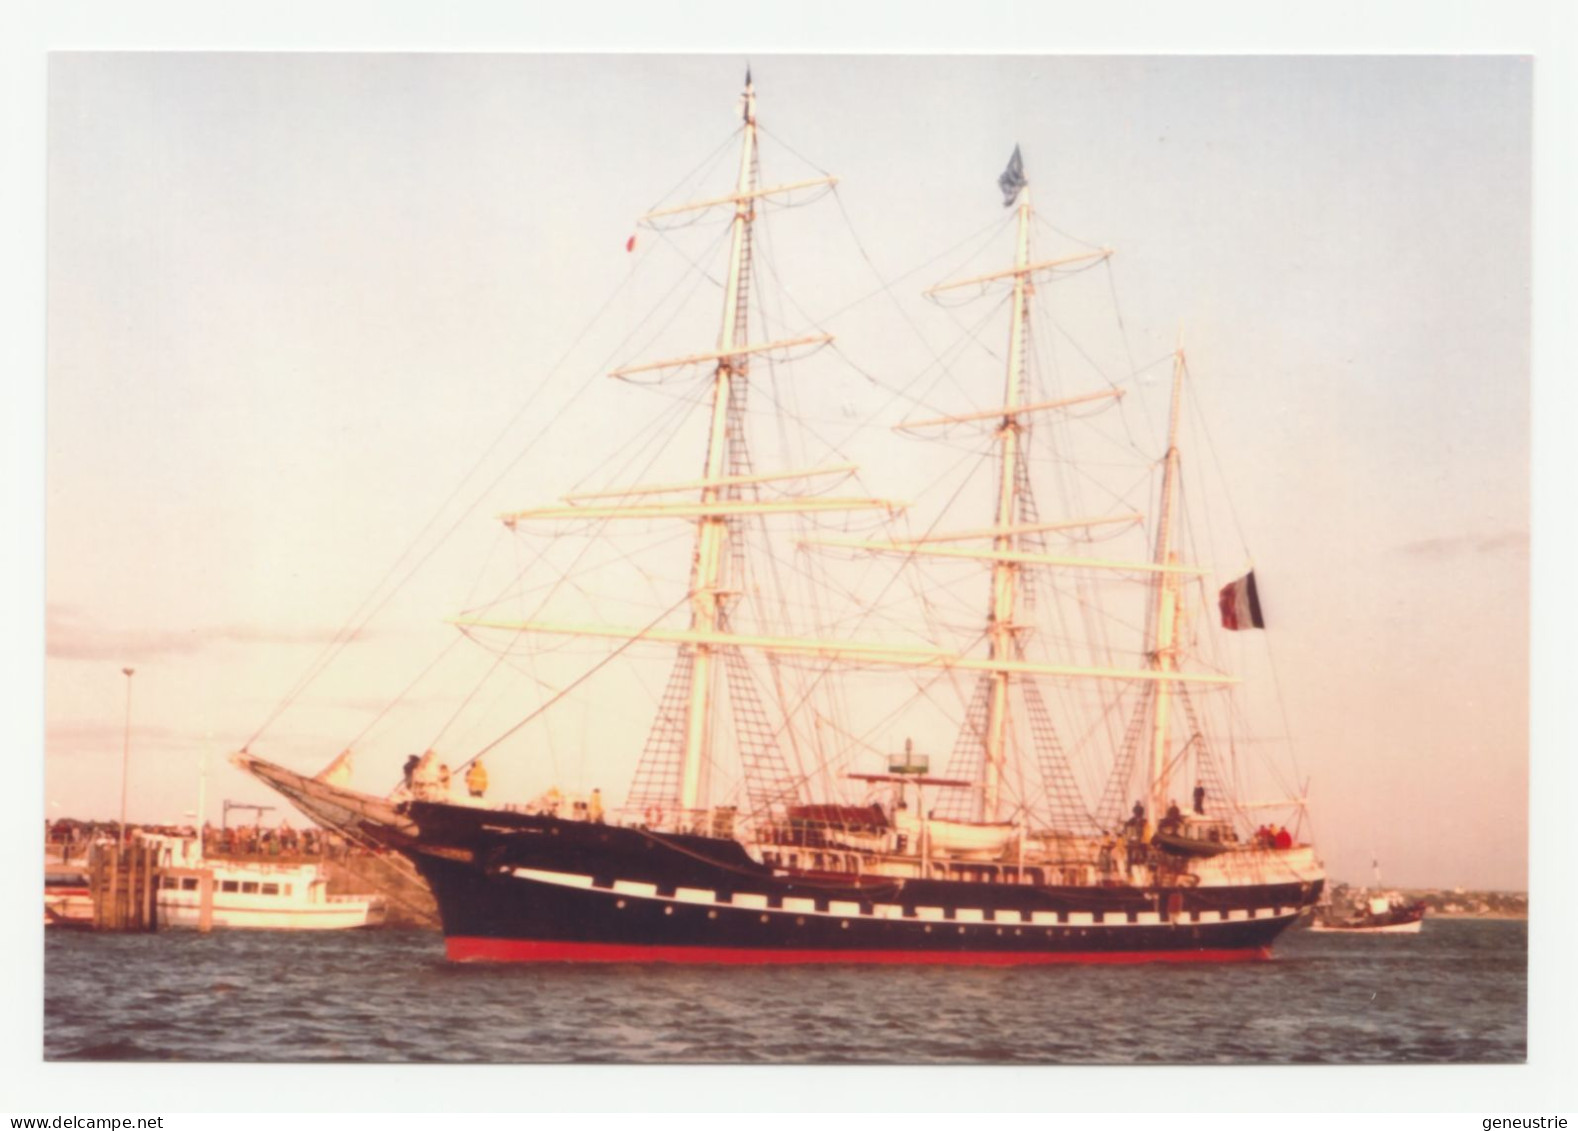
{"type": "Point", "coordinates": [1013, 179]}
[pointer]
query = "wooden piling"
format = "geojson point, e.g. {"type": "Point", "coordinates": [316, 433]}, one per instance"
{"type": "Point", "coordinates": [112, 905]}
{"type": "Point", "coordinates": [205, 897]}
{"type": "Point", "coordinates": [123, 881]}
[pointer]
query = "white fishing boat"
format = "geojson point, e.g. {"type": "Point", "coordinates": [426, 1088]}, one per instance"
{"type": "Point", "coordinates": [252, 894]}
{"type": "Point", "coordinates": [68, 897]}
{"type": "Point", "coordinates": [1372, 911]}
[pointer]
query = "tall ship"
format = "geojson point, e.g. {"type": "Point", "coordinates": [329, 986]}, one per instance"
{"type": "Point", "coordinates": [965, 729]}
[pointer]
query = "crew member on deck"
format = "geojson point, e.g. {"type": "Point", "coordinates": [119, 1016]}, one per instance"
{"type": "Point", "coordinates": [1136, 822]}
{"type": "Point", "coordinates": [1104, 857]}
{"type": "Point", "coordinates": [410, 768]}
{"type": "Point", "coordinates": [476, 779]}
{"type": "Point", "coordinates": [1199, 799]}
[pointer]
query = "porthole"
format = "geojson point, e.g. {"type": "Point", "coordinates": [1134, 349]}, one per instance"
{"type": "Point", "coordinates": [961, 930]}
{"type": "Point", "coordinates": [668, 911]}
{"type": "Point", "coordinates": [928, 928]}
{"type": "Point", "coordinates": [999, 930]}
{"type": "Point", "coordinates": [764, 918]}
{"type": "Point", "coordinates": [712, 914]}
{"type": "Point", "coordinates": [1017, 931]}
{"type": "Point", "coordinates": [844, 923]}
{"type": "Point", "coordinates": [799, 920]}
{"type": "Point", "coordinates": [620, 904]}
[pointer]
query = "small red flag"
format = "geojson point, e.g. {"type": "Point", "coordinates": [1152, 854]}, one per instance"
{"type": "Point", "coordinates": [630, 244]}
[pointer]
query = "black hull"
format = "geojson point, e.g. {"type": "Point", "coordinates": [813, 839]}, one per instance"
{"type": "Point", "coordinates": [542, 889]}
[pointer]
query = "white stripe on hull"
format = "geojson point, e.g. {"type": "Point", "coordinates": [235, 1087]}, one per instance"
{"type": "Point", "coordinates": [839, 909]}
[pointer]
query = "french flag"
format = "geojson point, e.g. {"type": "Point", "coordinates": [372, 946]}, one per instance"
{"type": "Point", "coordinates": [1240, 604]}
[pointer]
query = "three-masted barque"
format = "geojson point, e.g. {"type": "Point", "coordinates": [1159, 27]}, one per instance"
{"type": "Point", "coordinates": [996, 860]}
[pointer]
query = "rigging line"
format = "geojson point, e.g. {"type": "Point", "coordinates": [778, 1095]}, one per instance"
{"type": "Point", "coordinates": [1041, 220]}
{"type": "Point", "coordinates": [369, 606]}
{"type": "Point", "coordinates": [793, 152]}
{"type": "Point", "coordinates": [499, 659]}
{"type": "Point", "coordinates": [767, 261]}
{"type": "Point", "coordinates": [582, 678]}
{"type": "Point", "coordinates": [1068, 337]}
{"type": "Point", "coordinates": [498, 662]}
{"type": "Point", "coordinates": [696, 174]}
{"type": "Point", "coordinates": [1196, 404]}
{"type": "Point", "coordinates": [974, 335]}
{"type": "Point", "coordinates": [657, 429]}
{"type": "Point", "coordinates": [696, 277]}
{"type": "Point", "coordinates": [887, 288]}
{"type": "Point", "coordinates": [406, 690]}
{"type": "Point", "coordinates": [868, 612]}
{"type": "Point", "coordinates": [921, 693]}
{"type": "Point", "coordinates": [1123, 335]}
{"type": "Point", "coordinates": [940, 364]}
{"type": "Point", "coordinates": [887, 285]}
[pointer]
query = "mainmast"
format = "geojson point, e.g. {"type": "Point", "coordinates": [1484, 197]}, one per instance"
{"type": "Point", "coordinates": [1005, 571]}
{"type": "Point", "coordinates": [1164, 622]}
{"type": "Point", "coordinates": [707, 597]}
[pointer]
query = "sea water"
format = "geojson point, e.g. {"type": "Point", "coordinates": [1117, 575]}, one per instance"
{"type": "Point", "coordinates": [1456, 992]}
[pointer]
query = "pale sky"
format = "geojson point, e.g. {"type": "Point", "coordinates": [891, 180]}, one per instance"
{"type": "Point", "coordinates": [291, 299]}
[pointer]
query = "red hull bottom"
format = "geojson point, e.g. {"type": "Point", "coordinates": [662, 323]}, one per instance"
{"type": "Point", "coordinates": [463, 949]}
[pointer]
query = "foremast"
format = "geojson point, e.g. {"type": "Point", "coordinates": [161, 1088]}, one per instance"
{"type": "Point", "coordinates": [707, 597]}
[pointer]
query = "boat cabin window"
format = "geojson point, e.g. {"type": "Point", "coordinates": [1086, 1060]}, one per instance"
{"type": "Point", "coordinates": [1217, 830]}
{"type": "Point", "coordinates": [270, 889]}
{"type": "Point", "coordinates": [249, 888]}
{"type": "Point", "coordinates": [286, 888]}
{"type": "Point", "coordinates": [188, 883]}
{"type": "Point", "coordinates": [169, 882]}
{"type": "Point", "coordinates": [229, 885]}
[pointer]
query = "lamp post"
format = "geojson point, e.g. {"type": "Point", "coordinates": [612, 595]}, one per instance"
{"type": "Point", "coordinates": [126, 750]}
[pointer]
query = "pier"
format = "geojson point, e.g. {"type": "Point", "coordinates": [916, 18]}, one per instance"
{"type": "Point", "coordinates": [122, 881]}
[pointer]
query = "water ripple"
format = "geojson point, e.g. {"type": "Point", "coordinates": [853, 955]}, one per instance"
{"type": "Point", "coordinates": [1456, 993]}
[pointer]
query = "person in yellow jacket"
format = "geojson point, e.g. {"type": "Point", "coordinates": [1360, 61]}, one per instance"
{"type": "Point", "coordinates": [476, 779]}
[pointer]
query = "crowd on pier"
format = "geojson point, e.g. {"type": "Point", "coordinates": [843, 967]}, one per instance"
{"type": "Point", "coordinates": [70, 839]}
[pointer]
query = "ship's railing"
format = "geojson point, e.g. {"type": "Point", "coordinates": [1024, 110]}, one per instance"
{"type": "Point", "coordinates": [722, 822]}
